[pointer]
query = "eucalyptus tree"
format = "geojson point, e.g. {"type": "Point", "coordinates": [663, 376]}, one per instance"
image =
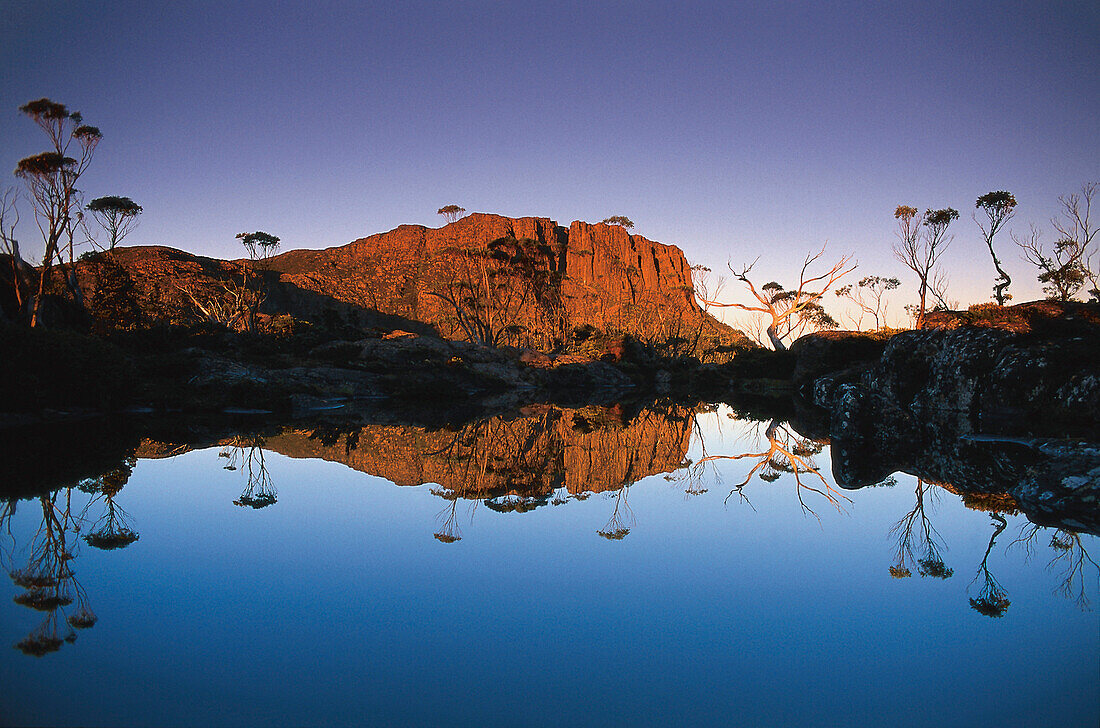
{"type": "Point", "coordinates": [788, 313]}
{"type": "Point", "coordinates": [118, 216]}
{"type": "Point", "coordinates": [998, 208]}
{"type": "Point", "coordinates": [620, 220]}
{"type": "Point", "coordinates": [51, 178]}
{"type": "Point", "coordinates": [260, 246]}
{"type": "Point", "coordinates": [922, 239]}
{"type": "Point", "coordinates": [450, 213]}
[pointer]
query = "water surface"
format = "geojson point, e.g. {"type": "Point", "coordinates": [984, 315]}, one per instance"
{"type": "Point", "coordinates": [557, 567]}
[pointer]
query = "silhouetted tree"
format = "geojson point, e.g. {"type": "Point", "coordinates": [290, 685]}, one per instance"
{"type": "Point", "coordinates": [622, 518]}
{"type": "Point", "coordinates": [998, 207]}
{"type": "Point", "coordinates": [112, 530]}
{"type": "Point", "coordinates": [260, 246]}
{"type": "Point", "coordinates": [51, 178]}
{"type": "Point", "coordinates": [1070, 265]}
{"type": "Point", "coordinates": [790, 312]}
{"type": "Point", "coordinates": [917, 525]}
{"type": "Point", "coordinates": [118, 216]}
{"type": "Point", "coordinates": [922, 239]}
{"type": "Point", "coordinates": [450, 213]}
{"type": "Point", "coordinates": [992, 601]}
{"type": "Point", "coordinates": [248, 454]}
{"type": "Point", "coordinates": [867, 296]}
{"type": "Point", "coordinates": [620, 220]}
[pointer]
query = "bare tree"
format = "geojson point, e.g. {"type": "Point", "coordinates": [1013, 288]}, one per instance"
{"type": "Point", "coordinates": [922, 239]}
{"type": "Point", "coordinates": [51, 179]}
{"type": "Point", "coordinates": [450, 213]}
{"type": "Point", "coordinates": [21, 273]}
{"type": "Point", "coordinates": [490, 290]}
{"type": "Point", "coordinates": [1069, 265]}
{"type": "Point", "coordinates": [999, 207]}
{"type": "Point", "coordinates": [867, 295]}
{"type": "Point", "coordinates": [792, 311]}
{"type": "Point", "coordinates": [118, 216]}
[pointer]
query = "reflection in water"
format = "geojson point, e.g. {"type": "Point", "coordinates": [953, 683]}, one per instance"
{"type": "Point", "coordinates": [622, 518]}
{"type": "Point", "coordinates": [992, 601]}
{"type": "Point", "coordinates": [248, 453]}
{"type": "Point", "coordinates": [47, 579]}
{"type": "Point", "coordinates": [1070, 561]}
{"type": "Point", "coordinates": [112, 530]}
{"type": "Point", "coordinates": [513, 465]}
{"type": "Point", "coordinates": [787, 453]}
{"type": "Point", "coordinates": [916, 534]}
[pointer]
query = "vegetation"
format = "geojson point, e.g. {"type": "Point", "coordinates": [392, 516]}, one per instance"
{"type": "Point", "coordinates": [620, 220]}
{"type": "Point", "coordinates": [51, 178]}
{"type": "Point", "coordinates": [789, 313]}
{"type": "Point", "coordinates": [451, 213]}
{"type": "Point", "coordinates": [998, 207]}
{"type": "Point", "coordinates": [116, 215]}
{"type": "Point", "coordinates": [922, 239]}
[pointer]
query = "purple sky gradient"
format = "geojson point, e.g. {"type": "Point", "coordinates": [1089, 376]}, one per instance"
{"type": "Point", "coordinates": [733, 130]}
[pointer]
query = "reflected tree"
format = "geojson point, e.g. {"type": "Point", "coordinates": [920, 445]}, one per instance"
{"type": "Point", "coordinates": [916, 535]}
{"type": "Point", "coordinates": [787, 453]}
{"type": "Point", "coordinates": [1070, 561]}
{"type": "Point", "coordinates": [48, 580]}
{"type": "Point", "coordinates": [622, 518]}
{"type": "Point", "coordinates": [112, 530]}
{"type": "Point", "coordinates": [448, 531]}
{"type": "Point", "coordinates": [992, 600]}
{"type": "Point", "coordinates": [247, 453]}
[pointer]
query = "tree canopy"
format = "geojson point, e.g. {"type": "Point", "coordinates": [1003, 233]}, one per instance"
{"type": "Point", "coordinates": [450, 213]}
{"type": "Point", "coordinates": [621, 220]}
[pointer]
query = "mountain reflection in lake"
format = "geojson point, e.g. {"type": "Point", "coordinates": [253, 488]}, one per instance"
{"type": "Point", "coordinates": [551, 567]}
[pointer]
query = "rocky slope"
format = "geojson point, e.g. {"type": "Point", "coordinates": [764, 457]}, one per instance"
{"type": "Point", "coordinates": [532, 281]}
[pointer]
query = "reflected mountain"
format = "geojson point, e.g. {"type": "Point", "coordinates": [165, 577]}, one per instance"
{"type": "Point", "coordinates": [544, 455]}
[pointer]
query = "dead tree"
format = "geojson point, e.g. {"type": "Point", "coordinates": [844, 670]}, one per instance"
{"type": "Point", "coordinates": [789, 312]}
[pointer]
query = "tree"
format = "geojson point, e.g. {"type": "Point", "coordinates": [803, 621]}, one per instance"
{"type": "Point", "coordinates": [867, 295]}
{"type": "Point", "coordinates": [999, 207]}
{"type": "Point", "coordinates": [489, 290]}
{"type": "Point", "coordinates": [792, 311]}
{"type": "Point", "coordinates": [51, 178]}
{"type": "Point", "coordinates": [922, 239]}
{"type": "Point", "coordinates": [260, 246]}
{"type": "Point", "coordinates": [450, 213]}
{"type": "Point", "coordinates": [620, 220]}
{"type": "Point", "coordinates": [21, 273]}
{"type": "Point", "coordinates": [116, 215]}
{"type": "Point", "coordinates": [1069, 265]}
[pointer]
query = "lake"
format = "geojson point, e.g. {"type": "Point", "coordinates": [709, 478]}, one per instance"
{"type": "Point", "coordinates": [662, 565]}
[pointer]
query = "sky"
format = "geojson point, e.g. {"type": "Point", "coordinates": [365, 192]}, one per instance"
{"type": "Point", "coordinates": [735, 131]}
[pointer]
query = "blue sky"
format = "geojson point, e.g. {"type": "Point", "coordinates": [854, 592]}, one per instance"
{"type": "Point", "coordinates": [733, 130]}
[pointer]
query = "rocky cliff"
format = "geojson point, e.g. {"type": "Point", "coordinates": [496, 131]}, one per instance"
{"type": "Point", "coordinates": [519, 281]}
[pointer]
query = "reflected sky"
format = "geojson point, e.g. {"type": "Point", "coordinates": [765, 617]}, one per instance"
{"type": "Point", "coordinates": [338, 603]}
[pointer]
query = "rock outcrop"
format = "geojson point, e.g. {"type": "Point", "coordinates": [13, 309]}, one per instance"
{"type": "Point", "coordinates": [532, 281]}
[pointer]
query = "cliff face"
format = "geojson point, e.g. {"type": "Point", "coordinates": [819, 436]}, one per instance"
{"type": "Point", "coordinates": [596, 275]}
{"type": "Point", "coordinates": [521, 281]}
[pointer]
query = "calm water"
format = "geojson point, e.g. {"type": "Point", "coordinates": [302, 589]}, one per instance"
{"type": "Point", "coordinates": [308, 578]}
